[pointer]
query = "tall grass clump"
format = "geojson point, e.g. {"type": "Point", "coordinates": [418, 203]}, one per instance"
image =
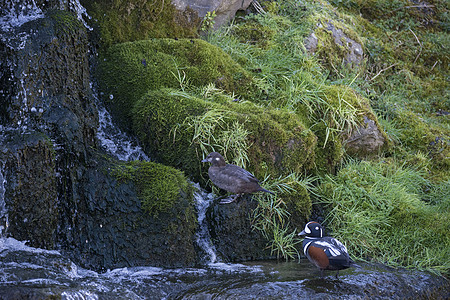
{"type": "Point", "coordinates": [271, 216]}
{"type": "Point", "coordinates": [385, 212]}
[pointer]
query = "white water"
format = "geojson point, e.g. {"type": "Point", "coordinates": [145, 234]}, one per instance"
{"type": "Point", "coordinates": [203, 200]}
{"type": "Point", "coordinates": [3, 210]}
{"type": "Point", "coordinates": [115, 141]}
{"type": "Point", "coordinates": [17, 15]}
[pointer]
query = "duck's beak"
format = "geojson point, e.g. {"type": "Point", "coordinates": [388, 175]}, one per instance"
{"type": "Point", "coordinates": [205, 160]}
{"type": "Point", "coordinates": [302, 233]}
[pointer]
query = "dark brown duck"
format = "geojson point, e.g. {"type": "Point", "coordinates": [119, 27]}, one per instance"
{"type": "Point", "coordinates": [231, 178]}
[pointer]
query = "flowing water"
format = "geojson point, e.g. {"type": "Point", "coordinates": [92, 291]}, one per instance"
{"type": "Point", "coordinates": [33, 273]}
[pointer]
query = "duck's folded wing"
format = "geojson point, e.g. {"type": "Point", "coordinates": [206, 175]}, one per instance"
{"type": "Point", "coordinates": [238, 172]}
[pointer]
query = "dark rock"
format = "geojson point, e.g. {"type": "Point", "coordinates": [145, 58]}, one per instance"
{"type": "Point", "coordinates": [31, 196]}
{"type": "Point", "coordinates": [58, 189]}
{"type": "Point", "coordinates": [232, 233]}
{"type": "Point", "coordinates": [109, 228]}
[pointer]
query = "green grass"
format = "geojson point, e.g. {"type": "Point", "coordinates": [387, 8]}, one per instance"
{"type": "Point", "coordinates": [272, 215]}
{"type": "Point", "coordinates": [384, 211]}
{"type": "Point", "coordinates": [392, 208]}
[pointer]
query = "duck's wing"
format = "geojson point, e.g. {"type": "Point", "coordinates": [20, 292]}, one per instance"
{"type": "Point", "coordinates": [238, 172]}
{"type": "Point", "coordinates": [335, 250]}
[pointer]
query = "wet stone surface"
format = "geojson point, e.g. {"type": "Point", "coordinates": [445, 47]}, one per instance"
{"type": "Point", "coordinates": [31, 273]}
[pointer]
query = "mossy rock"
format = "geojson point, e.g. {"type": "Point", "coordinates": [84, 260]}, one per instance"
{"type": "Point", "coordinates": [131, 214]}
{"type": "Point", "coordinates": [158, 186]}
{"type": "Point", "coordinates": [125, 21]}
{"type": "Point", "coordinates": [129, 70]}
{"type": "Point", "coordinates": [337, 117]}
{"type": "Point", "coordinates": [279, 142]}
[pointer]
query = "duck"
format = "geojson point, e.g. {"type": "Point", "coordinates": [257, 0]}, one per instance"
{"type": "Point", "coordinates": [231, 178]}
{"type": "Point", "coordinates": [326, 253]}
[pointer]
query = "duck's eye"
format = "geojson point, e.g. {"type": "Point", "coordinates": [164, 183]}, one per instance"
{"type": "Point", "coordinates": [317, 228]}
{"type": "Point", "coordinates": [217, 158]}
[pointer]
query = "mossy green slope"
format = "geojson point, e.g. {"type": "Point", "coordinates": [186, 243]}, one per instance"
{"type": "Point", "coordinates": [279, 142]}
{"type": "Point", "coordinates": [121, 21]}
{"type": "Point", "coordinates": [129, 70]}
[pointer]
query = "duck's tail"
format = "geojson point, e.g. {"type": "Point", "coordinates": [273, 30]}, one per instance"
{"type": "Point", "coordinates": [267, 191]}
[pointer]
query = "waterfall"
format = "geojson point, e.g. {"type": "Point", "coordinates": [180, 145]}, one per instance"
{"type": "Point", "coordinates": [114, 141]}
{"type": "Point", "coordinates": [17, 13]}
{"type": "Point", "coordinates": [3, 210]}
{"type": "Point", "coordinates": [203, 200]}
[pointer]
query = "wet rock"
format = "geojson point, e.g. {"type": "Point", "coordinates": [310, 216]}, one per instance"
{"type": "Point", "coordinates": [31, 197]}
{"type": "Point", "coordinates": [59, 192]}
{"type": "Point", "coordinates": [366, 139]}
{"type": "Point", "coordinates": [46, 75]}
{"type": "Point", "coordinates": [232, 233]}
{"type": "Point", "coordinates": [110, 229]}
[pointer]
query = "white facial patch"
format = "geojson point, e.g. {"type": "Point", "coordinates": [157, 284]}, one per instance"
{"type": "Point", "coordinates": [217, 158]}
{"type": "Point", "coordinates": [307, 230]}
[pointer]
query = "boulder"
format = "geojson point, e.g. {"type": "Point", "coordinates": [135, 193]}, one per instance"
{"type": "Point", "coordinates": [224, 9]}
{"type": "Point", "coordinates": [366, 139]}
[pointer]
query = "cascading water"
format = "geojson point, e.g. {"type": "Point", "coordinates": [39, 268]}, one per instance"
{"type": "Point", "coordinates": [3, 210]}
{"type": "Point", "coordinates": [115, 141]}
{"type": "Point", "coordinates": [203, 201]}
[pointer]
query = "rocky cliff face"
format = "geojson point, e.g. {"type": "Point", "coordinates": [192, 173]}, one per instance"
{"type": "Point", "coordinates": [59, 191]}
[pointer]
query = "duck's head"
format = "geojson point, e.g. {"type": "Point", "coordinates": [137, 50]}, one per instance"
{"type": "Point", "coordinates": [312, 229]}
{"type": "Point", "coordinates": [215, 159]}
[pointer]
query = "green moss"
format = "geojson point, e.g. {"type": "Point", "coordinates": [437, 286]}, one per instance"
{"type": "Point", "coordinates": [254, 31]}
{"type": "Point", "coordinates": [129, 70]}
{"type": "Point", "coordinates": [159, 187]}
{"type": "Point", "coordinates": [299, 204]}
{"type": "Point", "coordinates": [279, 142]}
{"type": "Point", "coordinates": [66, 23]}
{"type": "Point", "coordinates": [123, 21]}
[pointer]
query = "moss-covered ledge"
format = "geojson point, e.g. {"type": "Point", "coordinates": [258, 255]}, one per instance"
{"type": "Point", "coordinates": [159, 187]}
{"type": "Point", "coordinates": [152, 207]}
{"type": "Point", "coordinates": [129, 70]}
{"type": "Point", "coordinates": [278, 142]}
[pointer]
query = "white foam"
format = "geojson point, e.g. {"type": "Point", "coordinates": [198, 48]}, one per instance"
{"type": "Point", "coordinates": [14, 245]}
{"type": "Point", "coordinates": [115, 141]}
{"type": "Point", "coordinates": [17, 16]}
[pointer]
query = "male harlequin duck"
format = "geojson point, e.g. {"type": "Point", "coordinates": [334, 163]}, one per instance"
{"type": "Point", "coordinates": [326, 253]}
{"type": "Point", "coordinates": [231, 178]}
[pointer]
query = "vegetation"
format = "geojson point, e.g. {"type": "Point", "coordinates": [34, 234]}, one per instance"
{"type": "Point", "coordinates": [382, 211]}
{"type": "Point", "coordinates": [379, 208]}
{"type": "Point", "coordinates": [272, 215]}
{"type": "Point", "coordinates": [288, 108]}
{"type": "Point", "coordinates": [159, 187]}
{"type": "Point", "coordinates": [123, 21]}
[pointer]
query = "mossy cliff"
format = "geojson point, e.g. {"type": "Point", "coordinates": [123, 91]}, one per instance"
{"type": "Point", "coordinates": [327, 80]}
{"type": "Point", "coordinates": [60, 190]}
